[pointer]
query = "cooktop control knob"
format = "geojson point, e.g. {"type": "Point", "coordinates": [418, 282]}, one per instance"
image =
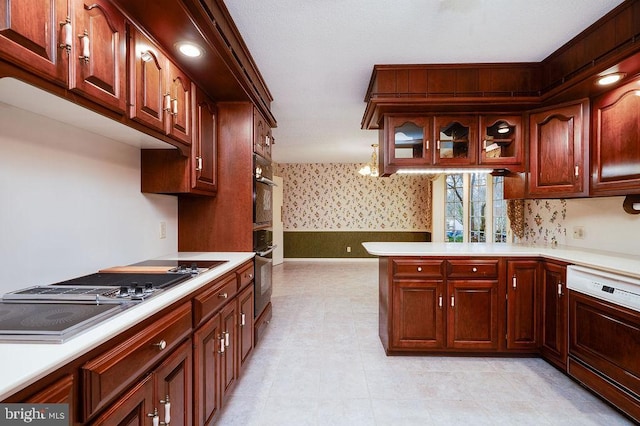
{"type": "Point", "coordinates": [148, 287]}
{"type": "Point", "coordinates": [124, 292]}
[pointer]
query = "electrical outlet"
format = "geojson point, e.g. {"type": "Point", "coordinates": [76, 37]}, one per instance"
{"type": "Point", "coordinates": [163, 230]}
{"type": "Point", "coordinates": [578, 232]}
{"type": "Point", "coordinates": [348, 249]}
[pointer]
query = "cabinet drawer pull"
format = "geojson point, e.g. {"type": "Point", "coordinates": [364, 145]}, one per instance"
{"type": "Point", "coordinates": [221, 351]}
{"type": "Point", "coordinates": [226, 339]}
{"type": "Point", "coordinates": [162, 344]}
{"type": "Point", "coordinates": [84, 43]}
{"type": "Point", "coordinates": [66, 34]}
{"type": "Point", "coordinates": [154, 417]}
{"type": "Point", "coordinates": [223, 295]}
{"type": "Point", "coordinates": [440, 301]}
{"type": "Point", "coordinates": [167, 102]}
{"type": "Point", "coordinates": [167, 410]}
{"type": "Point", "coordinates": [514, 282]}
{"type": "Point", "coordinates": [453, 302]}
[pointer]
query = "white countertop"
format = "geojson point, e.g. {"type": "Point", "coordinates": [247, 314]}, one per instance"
{"type": "Point", "coordinates": [25, 363]}
{"type": "Point", "coordinates": [619, 263]}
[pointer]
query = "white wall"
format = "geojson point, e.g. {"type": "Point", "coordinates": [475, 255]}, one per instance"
{"type": "Point", "coordinates": [70, 203]}
{"type": "Point", "coordinates": [606, 225]}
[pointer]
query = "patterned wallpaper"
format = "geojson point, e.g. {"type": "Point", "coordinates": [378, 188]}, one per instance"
{"type": "Point", "coordinates": [332, 197]}
{"type": "Point", "coordinates": [545, 222]}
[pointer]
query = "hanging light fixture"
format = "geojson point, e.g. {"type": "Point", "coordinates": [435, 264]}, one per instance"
{"type": "Point", "coordinates": [371, 169]}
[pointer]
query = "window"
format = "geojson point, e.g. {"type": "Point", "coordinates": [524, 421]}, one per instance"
{"type": "Point", "coordinates": [475, 208]}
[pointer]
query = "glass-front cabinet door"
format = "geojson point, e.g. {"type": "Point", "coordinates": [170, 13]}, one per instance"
{"type": "Point", "coordinates": [501, 140]}
{"type": "Point", "coordinates": [456, 139]}
{"type": "Point", "coordinates": [408, 141]}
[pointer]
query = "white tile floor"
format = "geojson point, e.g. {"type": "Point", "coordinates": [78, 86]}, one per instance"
{"type": "Point", "coordinates": [321, 363]}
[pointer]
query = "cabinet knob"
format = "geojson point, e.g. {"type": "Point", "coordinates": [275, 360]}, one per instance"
{"type": "Point", "coordinates": [162, 344]}
{"type": "Point", "coordinates": [419, 268]}
{"type": "Point", "coordinates": [474, 269]}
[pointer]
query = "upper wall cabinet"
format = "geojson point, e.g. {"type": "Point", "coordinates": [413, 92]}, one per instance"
{"type": "Point", "coordinates": [406, 143]}
{"type": "Point", "coordinates": [558, 159]}
{"type": "Point", "coordinates": [616, 142]}
{"type": "Point", "coordinates": [161, 94]}
{"type": "Point", "coordinates": [456, 140]}
{"type": "Point", "coordinates": [81, 47]}
{"type": "Point", "coordinates": [501, 143]}
{"type": "Point", "coordinates": [262, 138]}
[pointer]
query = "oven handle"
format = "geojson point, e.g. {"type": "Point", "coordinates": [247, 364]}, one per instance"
{"type": "Point", "coordinates": [266, 180]}
{"type": "Point", "coordinates": [267, 251]}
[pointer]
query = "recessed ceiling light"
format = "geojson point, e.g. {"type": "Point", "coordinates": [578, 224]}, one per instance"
{"type": "Point", "coordinates": [189, 49]}
{"type": "Point", "coordinates": [605, 80]}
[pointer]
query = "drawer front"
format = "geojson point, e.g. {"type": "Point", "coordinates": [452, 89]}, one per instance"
{"type": "Point", "coordinates": [212, 299]}
{"type": "Point", "coordinates": [108, 375]}
{"type": "Point", "coordinates": [476, 268]}
{"type": "Point", "coordinates": [245, 275]}
{"type": "Point", "coordinates": [418, 268]}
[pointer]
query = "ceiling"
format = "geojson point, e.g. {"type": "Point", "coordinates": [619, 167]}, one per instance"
{"type": "Point", "coordinates": [317, 56]}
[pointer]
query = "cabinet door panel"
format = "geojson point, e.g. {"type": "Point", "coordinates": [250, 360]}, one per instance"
{"type": "Point", "coordinates": [554, 315]}
{"type": "Point", "coordinates": [418, 314]}
{"type": "Point", "coordinates": [147, 82]}
{"type": "Point", "coordinates": [30, 33]}
{"type": "Point", "coordinates": [102, 74]}
{"type": "Point", "coordinates": [132, 408]}
{"type": "Point", "coordinates": [208, 345]}
{"type": "Point", "coordinates": [558, 161]}
{"type": "Point", "coordinates": [180, 90]}
{"type": "Point", "coordinates": [408, 142]}
{"type": "Point", "coordinates": [245, 340]}
{"type": "Point", "coordinates": [173, 385]}
{"type": "Point", "coordinates": [457, 138]}
{"type": "Point", "coordinates": [522, 303]}
{"type": "Point", "coordinates": [229, 368]}
{"type": "Point", "coordinates": [473, 314]}
{"type": "Point", "coordinates": [616, 143]}
{"type": "Point", "coordinates": [204, 154]}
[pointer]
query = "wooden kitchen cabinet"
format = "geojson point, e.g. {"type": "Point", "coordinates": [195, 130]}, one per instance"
{"type": "Point", "coordinates": [167, 171]}
{"type": "Point", "coordinates": [80, 46]}
{"type": "Point", "coordinates": [615, 150]}
{"type": "Point", "coordinates": [417, 314]}
{"type": "Point", "coordinates": [456, 140]}
{"type": "Point", "coordinates": [246, 331]}
{"type": "Point", "coordinates": [440, 305]}
{"type": "Point", "coordinates": [262, 136]}
{"type": "Point", "coordinates": [407, 143]}
{"type": "Point", "coordinates": [522, 304]}
{"type": "Point", "coordinates": [501, 141]}
{"type": "Point", "coordinates": [160, 93]}
{"type": "Point", "coordinates": [553, 342]}
{"type": "Point", "coordinates": [165, 393]}
{"type": "Point", "coordinates": [210, 362]}
{"type": "Point", "coordinates": [558, 158]}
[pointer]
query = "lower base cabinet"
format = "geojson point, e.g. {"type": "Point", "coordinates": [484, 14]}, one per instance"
{"type": "Point", "coordinates": [163, 396]}
{"type": "Point", "coordinates": [555, 307]}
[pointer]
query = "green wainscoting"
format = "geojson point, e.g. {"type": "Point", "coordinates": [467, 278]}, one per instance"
{"type": "Point", "coordinates": [330, 244]}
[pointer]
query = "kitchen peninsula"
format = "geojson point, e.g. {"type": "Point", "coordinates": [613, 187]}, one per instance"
{"type": "Point", "coordinates": [514, 300]}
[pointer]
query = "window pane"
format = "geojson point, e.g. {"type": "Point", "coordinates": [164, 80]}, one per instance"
{"type": "Point", "coordinates": [477, 206]}
{"type": "Point", "coordinates": [453, 209]}
{"type": "Point", "coordinates": [499, 211]}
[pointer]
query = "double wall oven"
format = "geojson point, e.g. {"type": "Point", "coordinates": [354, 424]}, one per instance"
{"type": "Point", "coordinates": [262, 241]}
